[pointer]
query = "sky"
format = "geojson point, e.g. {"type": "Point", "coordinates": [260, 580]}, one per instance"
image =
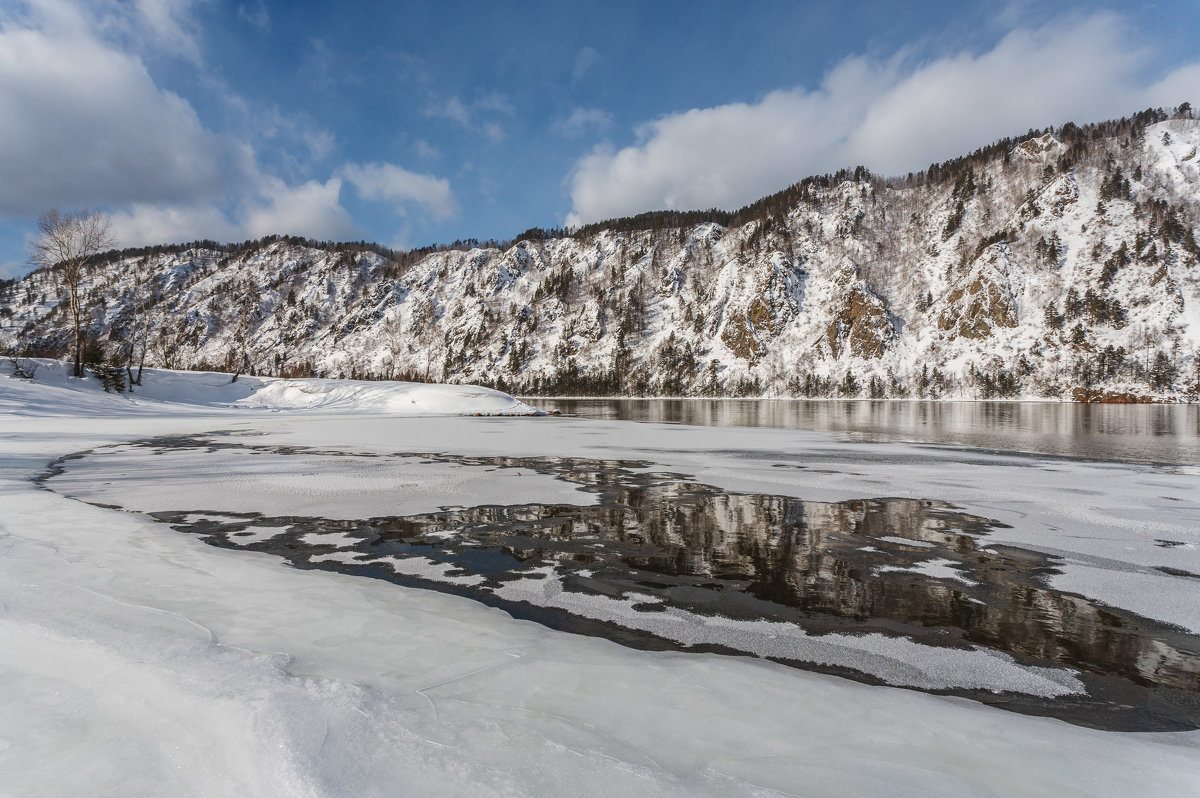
{"type": "Point", "coordinates": [410, 124]}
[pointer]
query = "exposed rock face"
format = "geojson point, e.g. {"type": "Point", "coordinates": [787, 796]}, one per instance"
{"type": "Point", "coordinates": [982, 300]}
{"type": "Point", "coordinates": [741, 332]}
{"type": "Point", "coordinates": [861, 325]}
{"type": "Point", "coordinates": [1031, 269]}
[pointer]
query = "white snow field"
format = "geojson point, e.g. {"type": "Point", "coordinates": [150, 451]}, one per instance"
{"type": "Point", "coordinates": [137, 661]}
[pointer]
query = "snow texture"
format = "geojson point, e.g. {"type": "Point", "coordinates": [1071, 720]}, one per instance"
{"type": "Point", "coordinates": [324, 486]}
{"type": "Point", "coordinates": [137, 661]}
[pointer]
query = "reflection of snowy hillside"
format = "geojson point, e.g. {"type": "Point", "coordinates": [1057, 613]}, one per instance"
{"type": "Point", "coordinates": [1064, 261]}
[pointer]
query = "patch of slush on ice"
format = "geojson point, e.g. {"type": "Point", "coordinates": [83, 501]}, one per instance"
{"type": "Point", "coordinates": [338, 487]}
{"type": "Point", "coordinates": [937, 568]}
{"type": "Point", "coordinates": [896, 660]}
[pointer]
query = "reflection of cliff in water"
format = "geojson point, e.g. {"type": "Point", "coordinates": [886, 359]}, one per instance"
{"type": "Point", "coordinates": [1126, 433]}
{"type": "Point", "coordinates": [798, 561]}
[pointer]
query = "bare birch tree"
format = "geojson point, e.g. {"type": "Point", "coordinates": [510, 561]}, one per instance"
{"type": "Point", "coordinates": [66, 243]}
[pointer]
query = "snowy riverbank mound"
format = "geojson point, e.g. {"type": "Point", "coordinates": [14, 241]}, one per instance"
{"type": "Point", "coordinates": [54, 389]}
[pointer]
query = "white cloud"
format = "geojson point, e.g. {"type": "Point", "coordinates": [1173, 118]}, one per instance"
{"type": "Point", "coordinates": [894, 116]}
{"type": "Point", "coordinates": [256, 14]}
{"type": "Point", "coordinates": [387, 182]}
{"type": "Point", "coordinates": [580, 121]}
{"type": "Point", "coordinates": [585, 59]}
{"type": "Point", "coordinates": [494, 131]}
{"type": "Point", "coordinates": [294, 141]}
{"type": "Point", "coordinates": [166, 26]}
{"type": "Point", "coordinates": [82, 123]}
{"type": "Point", "coordinates": [451, 108]}
{"type": "Point", "coordinates": [477, 116]}
{"type": "Point", "coordinates": [1071, 72]}
{"type": "Point", "coordinates": [494, 102]}
{"type": "Point", "coordinates": [142, 224]}
{"type": "Point", "coordinates": [1180, 86]}
{"type": "Point", "coordinates": [425, 150]}
{"type": "Point", "coordinates": [170, 26]}
{"type": "Point", "coordinates": [311, 209]}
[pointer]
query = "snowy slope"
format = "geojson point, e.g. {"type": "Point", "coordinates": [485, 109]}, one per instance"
{"type": "Point", "coordinates": [54, 390]}
{"type": "Point", "coordinates": [1053, 266]}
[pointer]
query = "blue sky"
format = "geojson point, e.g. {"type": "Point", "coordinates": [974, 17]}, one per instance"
{"type": "Point", "coordinates": [417, 123]}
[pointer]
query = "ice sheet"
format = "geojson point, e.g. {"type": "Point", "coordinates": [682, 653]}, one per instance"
{"type": "Point", "coordinates": [273, 484]}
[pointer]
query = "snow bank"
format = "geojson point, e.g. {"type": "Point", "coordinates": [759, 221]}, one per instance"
{"type": "Point", "coordinates": [54, 389]}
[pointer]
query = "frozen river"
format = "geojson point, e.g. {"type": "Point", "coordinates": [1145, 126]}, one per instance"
{"type": "Point", "coordinates": [217, 600]}
{"type": "Point", "coordinates": [907, 592]}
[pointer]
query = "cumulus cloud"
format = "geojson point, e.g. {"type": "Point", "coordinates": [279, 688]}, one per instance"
{"type": "Point", "coordinates": [141, 224]}
{"type": "Point", "coordinates": [82, 123]}
{"type": "Point", "coordinates": [312, 208]}
{"type": "Point", "coordinates": [582, 120]}
{"type": "Point", "coordinates": [390, 183]}
{"type": "Point", "coordinates": [892, 116]}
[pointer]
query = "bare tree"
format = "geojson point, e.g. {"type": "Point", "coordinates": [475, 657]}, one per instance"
{"type": "Point", "coordinates": [396, 342]}
{"type": "Point", "coordinates": [238, 358]}
{"type": "Point", "coordinates": [67, 242]}
{"type": "Point", "coordinates": [165, 346]}
{"type": "Point", "coordinates": [142, 296]}
{"type": "Point", "coordinates": [20, 365]}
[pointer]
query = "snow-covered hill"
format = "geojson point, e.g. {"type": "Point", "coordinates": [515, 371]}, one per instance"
{"type": "Point", "coordinates": [1060, 264]}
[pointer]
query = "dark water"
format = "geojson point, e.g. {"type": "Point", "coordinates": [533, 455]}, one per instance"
{"type": "Point", "coordinates": [1167, 434]}
{"type": "Point", "coordinates": [845, 567]}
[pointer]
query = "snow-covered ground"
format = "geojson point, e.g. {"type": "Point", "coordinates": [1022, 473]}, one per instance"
{"type": "Point", "coordinates": [139, 661]}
